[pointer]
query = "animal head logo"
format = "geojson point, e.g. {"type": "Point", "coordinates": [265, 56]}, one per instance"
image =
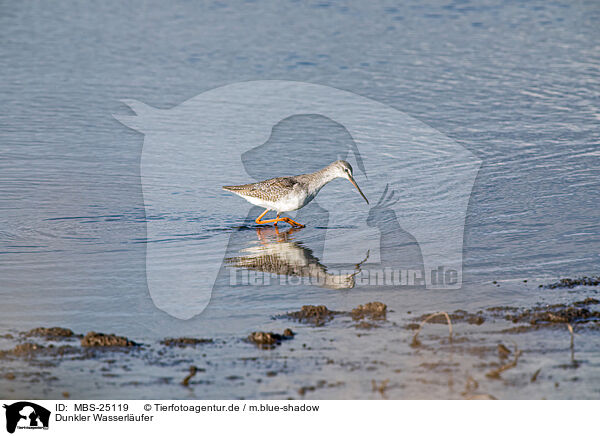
{"type": "Point", "coordinates": [420, 176]}
{"type": "Point", "coordinates": [26, 415]}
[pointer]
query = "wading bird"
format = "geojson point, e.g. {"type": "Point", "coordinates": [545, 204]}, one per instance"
{"type": "Point", "coordinates": [284, 194]}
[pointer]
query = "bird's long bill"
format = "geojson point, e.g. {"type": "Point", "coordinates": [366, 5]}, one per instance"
{"type": "Point", "coordinates": [356, 186]}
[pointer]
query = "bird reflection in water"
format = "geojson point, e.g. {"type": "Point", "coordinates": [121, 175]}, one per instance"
{"type": "Point", "coordinates": [277, 253]}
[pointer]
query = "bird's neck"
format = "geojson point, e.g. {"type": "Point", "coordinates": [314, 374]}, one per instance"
{"type": "Point", "coordinates": [321, 178]}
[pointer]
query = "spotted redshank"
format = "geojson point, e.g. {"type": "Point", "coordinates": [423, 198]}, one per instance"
{"type": "Point", "coordinates": [284, 194]}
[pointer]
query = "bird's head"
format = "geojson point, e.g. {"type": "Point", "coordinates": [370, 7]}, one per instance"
{"type": "Point", "coordinates": [343, 169]}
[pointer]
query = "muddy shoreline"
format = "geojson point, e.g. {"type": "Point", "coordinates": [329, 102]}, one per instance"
{"type": "Point", "coordinates": [493, 352]}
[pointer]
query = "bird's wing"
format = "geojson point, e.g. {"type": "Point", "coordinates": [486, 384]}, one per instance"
{"type": "Point", "coordinates": [270, 190]}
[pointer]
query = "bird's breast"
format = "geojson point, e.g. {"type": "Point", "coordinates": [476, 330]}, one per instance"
{"type": "Point", "coordinates": [293, 201]}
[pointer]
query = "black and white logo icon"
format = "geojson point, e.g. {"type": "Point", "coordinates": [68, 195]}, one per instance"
{"type": "Point", "coordinates": [26, 415]}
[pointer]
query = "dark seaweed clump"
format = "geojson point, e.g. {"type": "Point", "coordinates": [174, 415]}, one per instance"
{"type": "Point", "coordinates": [375, 310]}
{"type": "Point", "coordinates": [26, 349]}
{"type": "Point", "coordinates": [50, 332]}
{"type": "Point", "coordinates": [320, 315]}
{"type": "Point", "coordinates": [184, 342]}
{"type": "Point", "coordinates": [578, 312]}
{"type": "Point", "coordinates": [556, 314]}
{"type": "Point", "coordinates": [571, 283]}
{"type": "Point", "coordinates": [30, 350]}
{"type": "Point", "coordinates": [317, 315]}
{"type": "Point", "coordinates": [269, 339]}
{"type": "Point", "coordinates": [93, 339]}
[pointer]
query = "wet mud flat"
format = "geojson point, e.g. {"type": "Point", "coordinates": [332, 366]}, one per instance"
{"type": "Point", "coordinates": [367, 351]}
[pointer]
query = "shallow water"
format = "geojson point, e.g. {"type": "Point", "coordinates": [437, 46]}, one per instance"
{"type": "Point", "coordinates": [515, 84]}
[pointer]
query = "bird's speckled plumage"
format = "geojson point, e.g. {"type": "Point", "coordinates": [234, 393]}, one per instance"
{"type": "Point", "coordinates": [268, 190]}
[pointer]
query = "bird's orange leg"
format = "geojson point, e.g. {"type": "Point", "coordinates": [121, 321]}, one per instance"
{"type": "Point", "coordinates": [260, 221]}
{"type": "Point", "coordinates": [292, 222]}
